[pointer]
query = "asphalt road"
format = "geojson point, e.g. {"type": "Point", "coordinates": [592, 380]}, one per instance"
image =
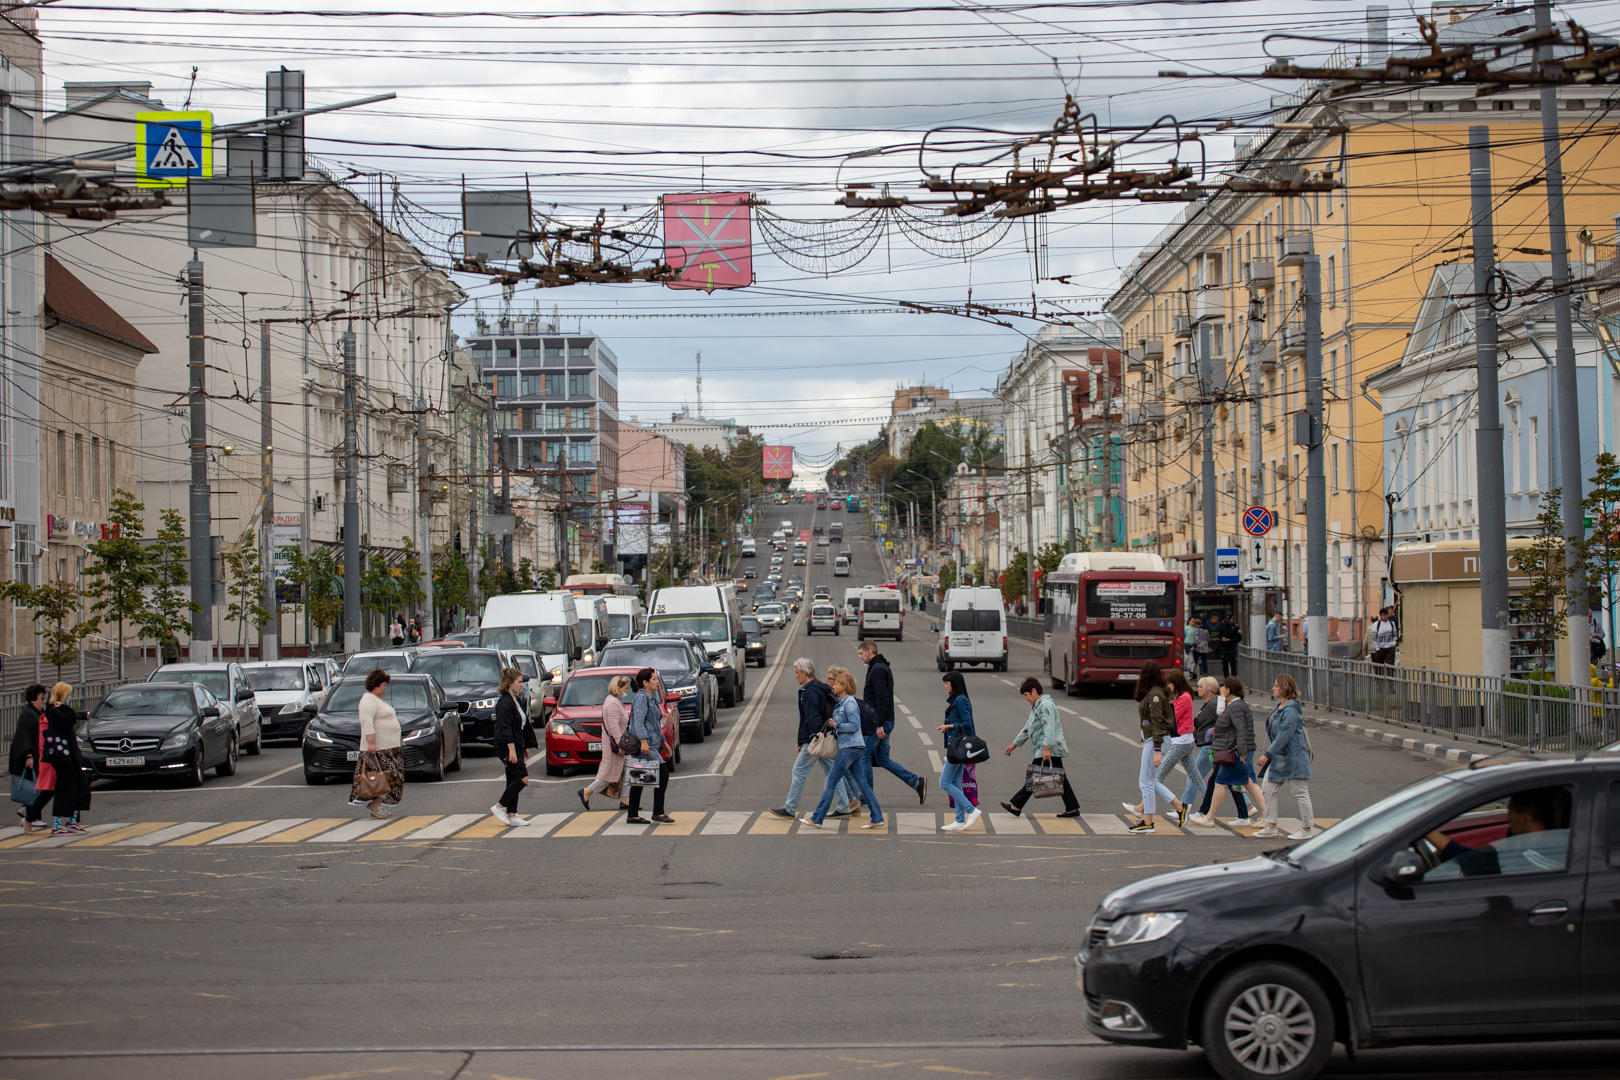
{"type": "Point", "coordinates": [904, 953]}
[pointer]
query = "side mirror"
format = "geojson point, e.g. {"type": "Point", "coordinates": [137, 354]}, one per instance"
{"type": "Point", "coordinates": [933, 627]}
{"type": "Point", "coordinates": [548, 702]}
{"type": "Point", "coordinates": [311, 709]}
{"type": "Point", "coordinates": [1405, 867]}
{"type": "Point", "coordinates": [579, 651]}
{"type": "Point", "coordinates": [210, 710]}
{"type": "Point", "coordinates": [244, 695]}
{"type": "Point", "coordinates": [672, 698]}
{"type": "Point", "coordinates": [741, 640]}
{"type": "Point", "coordinates": [764, 630]}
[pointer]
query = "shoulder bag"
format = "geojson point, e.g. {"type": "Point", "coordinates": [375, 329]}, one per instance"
{"type": "Point", "coordinates": [1043, 780]}
{"type": "Point", "coordinates": [824, 744]}
{"type": "Point", "coordinates": [23, 788]}
{"type": "Point", "coordinates": [628, 743]}
{"type": "Point", "coordinates": [1225, 757]}
{"type": "Point", "coordinates": [372, 781]}
{"type": "Point", "coordinates": [967, 750]}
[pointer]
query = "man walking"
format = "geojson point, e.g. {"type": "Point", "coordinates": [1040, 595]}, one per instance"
{"type": "Point", "coordinates": [879, 693]}
{"type": "Point", "coordinates": [815, 707]}
{"type": "Point", "coordinates": [1231, 638]}
{"type": "Point", "coordinates": [1384, 639]}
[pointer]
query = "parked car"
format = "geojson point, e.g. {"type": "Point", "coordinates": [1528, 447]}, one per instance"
{"type": "Point", "coordinates": [161, 730]}
{"type": "Point", "coordinates": [281, 689]}
{"type": "Point", "coordinates": [474, 676]}
{"type": "Point", "coordinates": [229, 684]}
{"type": "Point", "coordinates": [393, 661]}
{"type": "Point", "coordinates": [823, 616]}
{"type": "Point", "coordinates": [574, 735]}
{"type": "Point", "coordinates": [470, 637]}
{"type": "Point", "coordinates": [756, 639]}
{"type": "Point", "coordinates": [429, 731]}
{"type": "Point", "coordinates": [685, 670]}
{"type": "Point", "coordinates": [1481, 904]}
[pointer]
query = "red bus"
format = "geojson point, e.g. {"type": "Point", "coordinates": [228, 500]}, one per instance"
{"type": "Point", "coordinates": [1106, 612]}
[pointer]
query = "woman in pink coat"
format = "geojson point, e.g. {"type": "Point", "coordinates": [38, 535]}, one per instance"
{"type": "Point", "coordinates": [615, 718]}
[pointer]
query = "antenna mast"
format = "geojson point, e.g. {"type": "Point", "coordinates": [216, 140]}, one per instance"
{"type": "Point", "coordinates": [700, 383]}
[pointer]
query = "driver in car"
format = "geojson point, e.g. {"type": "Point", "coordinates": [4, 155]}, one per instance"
{"type": "Point", "coordinates": [1532, 842]}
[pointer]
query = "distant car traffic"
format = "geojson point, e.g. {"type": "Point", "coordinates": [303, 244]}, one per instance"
{"type": "Point", "coordinates": [393, 661]}
{"type": "Point", "coordinates": [756, 640]}
{"type": "Point", "coordinates": [822, 617]}
{"type": "Point", "coordinates": [772, 616]}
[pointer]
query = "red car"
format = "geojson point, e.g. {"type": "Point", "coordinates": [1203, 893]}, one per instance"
{"type": "Point", "coordinates": [574, 733]}
{"type": "Point", "coordinates": [742, 584]}
{"type": "Point", "coordinates": [442, 644]}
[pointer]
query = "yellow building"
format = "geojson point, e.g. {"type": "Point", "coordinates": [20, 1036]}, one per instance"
{"type": "Point", "coordinates": [1400, 158]}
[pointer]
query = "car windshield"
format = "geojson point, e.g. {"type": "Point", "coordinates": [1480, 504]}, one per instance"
{"type": "Point", "coordinates": [393, 663]}
{"type": "Point", "coordinates": [526, 665]}
{"type": "Point", "coordinates": [707, 627]}
{"type": "Point", "coordinates": [1390, 815]}
{"type": "Point", "coordinates": [618, 626]}
{"type": "Point", "coordinates": [133, 701]}
{"type": "Point", "coordinates": [586, 689]}
{"type": "Point", "coordinates": [405, 697]}
{"type": "Point", "coordinates": [545, 640]}
{"type": "Point", "coordinates": [675, 658]}
{"type": "Point", "coordinates": [454, 668]}
{"type": "Point", "coordinates": [823, 611]}
{"type": "Point", "coordinates": [216, 681]}
{"type": "Point", "coordinates": [290, 677]}
{"type": "Point", "coordinates": [768, 609]}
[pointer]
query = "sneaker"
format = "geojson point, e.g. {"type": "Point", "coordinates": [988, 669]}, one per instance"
{"type": "Point", "coordinates": [513, 819]}
{"type": "Point", "coordinates": [972, 817]}
{"type": "Point", "coordinates": [854, 806]}
{"type": "Point", "coordinates": [1303, 834]}
{"type": "Point", "coordinates": [922, 789]}
{"type": "Point", "coordinates": [780, 811]}
{"type": "Point", "coordinates": [955, 826]}
{"type": "Point", "coordinates": [75, 827]}
{"type": "Point", "coordinates": [1132, 809]}
{"type": "Point", "coordinates": [1240, 822]}
{"type": "Point", "coordinates": [875, 825]}
{"type": "Point", "coordinates": [807, 821]}
{"type": "Point", "coordinates": [1181, 817]}
{"type": "Point", "coordinates": [1140, 827]}
{"type": "Point", "coordinates": [1203, 820]}
{"type": "Point", "coordinates": [1011, 809]}
{"type": "Point", "coordinates": [62, 832]}
{"type": "Point", "coordinates": [498, 812]}
{"type": "Point", "coordinates": [1265, 833]}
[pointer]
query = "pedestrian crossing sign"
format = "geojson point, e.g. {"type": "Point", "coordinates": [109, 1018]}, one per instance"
{"type": "Point", "coordinates": [172, 147]}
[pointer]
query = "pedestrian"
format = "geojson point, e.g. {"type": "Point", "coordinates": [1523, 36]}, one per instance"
{"type": "Point", "coordinates": [1155, 712]}
{"type": "Point", "coordinates": [1233, 745]}
{"type": "Point", "coordinates": [845, 722]}
{"type": "Point", "coordinates": [26, 763]}
{"type": "Point", "coordinates": [647, 725]}
{"type": "Point", "coordinates": [514, 738]}
{"type": "Point", "coordinates": [413, 632]}
{"type": "Point", "coordinates": [1043, 731]}
{"type": "Point", "coordinates": [615, 719]}
{"type": "Point", "coordinates": [816, 704]}
{"type": "Point", "coordinates": [1189, 642]}
{"type": "Point", "coordinates": [1231, 638]}
{"type": "Point", "coordinates": [380, 740]}
{"type": "Point", "coordinates": [1598, 648]}
{"type": "Point", "coordinates": [1202, 763]}
{"type": "Point", "coordinates": [396, 633]}
{"type": "Point", "coordinates": [1287, 760]}
{"type": "Point", "coordinates": [1384, 636]}
{"type": "Point", "coordinates": [1276, 634]}
{"type": "Point", "coordinates": [958, 725]}
{"type": "Point", "coordinates": [1200, 646]}
{"type": "Point", "coordinates": [171, 649]}
{"type": "Point", "coordinates": [879, 693]}
{"type": "Point", "coordinates": [59, 748]}
{"type": "Point", "coordinates": [1181, 749]}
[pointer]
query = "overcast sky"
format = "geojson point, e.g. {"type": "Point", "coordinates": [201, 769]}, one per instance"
{"type": "Point", "coordinates": [608, 112]}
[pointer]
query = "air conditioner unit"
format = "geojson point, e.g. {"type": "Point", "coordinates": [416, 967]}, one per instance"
{"type": "Point", "coordinates": [1208, 304]}
{"type": "Point", "coordinates": [1292, 248]}
{"type": "Point", "coordinates": [1152, 410]}
{"type": "Point", "coordinates": [1182, 325]}
{"type": "Point", "coordinates": [1260, 273]}
{"type": "Point", "coordinates": [1134, 361]}
{"type": "Point", "coordinates": [1299, 506]}
{"type": "Point", "coordinates": [1291, 341]}
{"type": "Point", "coordinates": [1230, 485]}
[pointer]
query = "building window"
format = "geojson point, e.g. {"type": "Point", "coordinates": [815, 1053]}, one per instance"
{"type": "Point", "coordinates": [506, 386]}
{"type": "Point", "coordinates": [579, 419]}
{"type": "Point", "coordinates": [505, 350]}
{"type": "Point", "coordinates": [579, 453]}
{"type": "Point", "coordinates": [1335, 457]}
{"type": "Point", "coordinates": [530, 350]}
{"type": "Point", "coordinates": [25, 555]}
{"type": "Point", "coordinates": [554, 350]}
{"type": "Point", "coordinates": [554, 386]}
{"type": "Point", "coordinates": [95, 468]}
{"type": "Point", "coordinates": [112, 468]}
{"type": "Point", "coordinates": [1333, 281]}
{"type": "Point", "coordinates": [556, 419]}
{"type": "Point", "coordinates": [579, 384]}
{"type": "Point", "coordinates": [579, 349]}
{"type": "Point", "coordinates": [533, 385]}
{"type": "Point", "coordinates": [1535, 456]}
{"type": "Point", "coordinates": [508, 419]}
{"type": "Point", "coordinates": [78, 466]}
{"type": "Point", "coordinates": [61, 462]}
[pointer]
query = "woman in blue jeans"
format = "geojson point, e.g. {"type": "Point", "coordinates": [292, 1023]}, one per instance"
{"type": "Point", "coordinates": [958, 724]}
{"type": "Point", "coordinates": [846, 723]}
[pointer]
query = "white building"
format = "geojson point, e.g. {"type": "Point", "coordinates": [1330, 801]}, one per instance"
{"type": "Point", "coordinates": [701, 432]}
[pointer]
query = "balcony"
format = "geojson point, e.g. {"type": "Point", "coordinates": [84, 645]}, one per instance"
{"type": "Point", "coordinates": [1291, 341]}
{"type": "Point", "coordinates": [1208, 304]}
{"type": "Point", "coordinates": [1185, 391]}
{"type": "Point", "coordinates": [1264, 358]}
{"type": "Point", "coordinates": [1292, 248]}
{"type": "Point", "coordinates": [1183, 327]}
{"type": "Point", "coordinates": [399, 478]}
{"type": "Point", "coordinates": [1260, 273]}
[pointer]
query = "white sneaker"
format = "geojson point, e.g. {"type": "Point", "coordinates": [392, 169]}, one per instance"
{"type": "Point", "coordinates": [1239, 822]}
{"type": "Point", "coordinates": [1264, 834]}
{"type": "Point", "coordinates": [1130, 808]}
{"type": "Point", "coordinates": [954, 826]}
{"type": "Point", "coordinates": [971, 818]}
{"type": "Point", "coordinates": [513, 819]}
{"type": "Point", "coordinates": [499, 813]}
{"type": "Point", "coordinates": [1201, 819]}
{"type": "Point", "coordinates": [1303, 834]}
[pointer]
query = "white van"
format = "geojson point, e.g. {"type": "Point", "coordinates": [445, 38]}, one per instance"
{"type": "Point", "coordinates": [711, 612]}
{"type": "Point", "coordinates": [881, 615]}
{"type": "Point", "coordinates": [841, 566]}
{"type": "Point", "coordinates": [593, 620]}
{"type": "Point", "coordinates": [749, 548]}
{"type": "Point", "coordinates": [852, 604]}
{"type": "Point", "coordinates": [545, 623]}
{"type": "Point", "coordinates": [972, 629]}
{"type": "Point", "coordinates": [626, 617]}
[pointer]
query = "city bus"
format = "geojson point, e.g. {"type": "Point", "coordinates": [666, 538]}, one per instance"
{"type": "Point", "coordinates": [852, 504]}
{"type": "Point", "coordinates": [1106, 612]}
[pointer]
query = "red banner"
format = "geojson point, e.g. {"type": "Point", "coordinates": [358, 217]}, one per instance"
{"type": "Point", "coordinates": [708, 238]}
{"type": "Point", "coordinates": [779, 463]}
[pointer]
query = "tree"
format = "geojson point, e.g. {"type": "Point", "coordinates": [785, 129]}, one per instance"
{"type": "Point", "coordinates": [379, 587]}
{"type": "Point", "coordinates": [315, 576]}
{"type": "Point", "coordinates": [1050, 557]}
{"type": "Point", "coordinates": [410, 576]}
{"type": "Point", "coordinates": [450, 588]}
{"type": "Point", "coordinates": [947, 575]}
{"type": "Point", "coordinates": [1541, 602]}
{"type": "Point", "coordinates": [1598, 552]}
{"type": "Point", "coordinates": [244, 584]}
{"type": "Point", "coordinates": [1015, 579]}
{"type": "Point", "coordinates": [57, 605]}
{"type": "Point", "coordinates": [546, 579]}
{"type": "Point", "coordinates": [117, 581]}
{"type": "Point", "coordinates": [169, 604]}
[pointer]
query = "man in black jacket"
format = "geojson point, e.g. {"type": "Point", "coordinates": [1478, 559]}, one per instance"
{"type": "Point", "coordinates": [879, 693]}
{"type": "Point", "coordinates": [816, 702]}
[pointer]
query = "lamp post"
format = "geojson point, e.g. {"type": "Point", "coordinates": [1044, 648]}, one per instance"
{"type": "Point", "coordinates": [1029, 500]}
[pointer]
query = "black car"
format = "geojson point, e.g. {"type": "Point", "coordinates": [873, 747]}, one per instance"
{"type": "Point", "coordinates": [756, 640]}
{"type": "Point", "coordinates": [473, 676]}
{"type": "Point", "coordinates": [1482, 904]}
{"type": "Point", "coordinates": [159, 730]}
{"type": "Point", "coordinates": [685, 670]}
{"type": "Point", "coordinates": [427, 727]}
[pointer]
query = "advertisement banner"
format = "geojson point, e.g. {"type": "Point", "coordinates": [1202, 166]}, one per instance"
{"type": "Point", "coordinates": [708, 238]}
{"type": "Point", "coordinates": [778, 463]}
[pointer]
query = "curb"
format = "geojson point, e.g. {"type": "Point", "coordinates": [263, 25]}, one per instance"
{"type": "Point", "coordinates": [1434, 750]}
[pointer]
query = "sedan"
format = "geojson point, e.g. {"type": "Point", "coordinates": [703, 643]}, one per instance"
{"type": "Point", "coordinates": [756, 640]}
{"type": "Point", "coordinates": [232, 692]}
{"type": "Point", "coordinates": [819, 558]}
{"type": "Point", "coordinates": [750, 572]}
{"type": "Point", "coordinates": [393, 661]}
{"type": "Point", "coordinates": [427, 724]}
{"type": "Point", "coordinates": [684, 669]}
{"type": "Point", "coordinates": [281, 689]}
{"type": "Point", "coordinates": [574, 735]}
{"type": "Point", "coordinates": [158, 730]}
{"type": "Point", "coordinates": [741, 584]}
{"type": "Point", "coordinates": [772, 616]}
{"type": "Point", "coordinates": [473, 676]}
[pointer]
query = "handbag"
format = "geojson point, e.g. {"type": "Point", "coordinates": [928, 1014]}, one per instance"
{"type": "Point", "coordinates": [1229, 756]}
{"type": "Point", "coordinates": [824, 744]}
{"type": "Point", "coordinates": [1043, 781]}
{"type": "Point", "coordinates": [371, 782]}
{"type": "Point", "coordinates": [612, 790]}
{"type": "Point", "coordinates": [641, 771]}
{"type": "Point", "coordinates": [967, 750]}
{"type": "Point", "coordinates": [23, 788]}
{"type": "Point", "coordinates": [627, 743]}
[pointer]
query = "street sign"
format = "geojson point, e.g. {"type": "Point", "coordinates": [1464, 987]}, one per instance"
{"type": "Point", "coordinates": [1226, 565]}
{"type": "Point", "coordinates": [1257, 555]}
{"type": "Point", "coordinates": [173, 147]}
{"type": "Point", "coordinates": [1257, 521]}
{"type": "Point", "coordinates": [708, 238]}
{"type": "Point", "coordinates": [1258, 579]}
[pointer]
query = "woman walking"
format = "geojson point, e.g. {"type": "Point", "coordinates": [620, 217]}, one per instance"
{"type": "Point", "coordinates": [25, 758]}
{"type": "Point", "coordinates": [59, 748]}
{"type": "Point", "coordinates": [1200, 646]}
{"type": "Point", "coordinates": [1044, 732]}
{"type": "Point", "coordinates": [647, 725]}
{"type": "Point", "coordinates": [1181, 746]}
{"type": "Point", "coordinates": [514, 738]}
{"type": "Point", "coordinates": [380, 741]}
{"type": "Point", "coordinates": [1155, 712]}
{"type": "Point", "coordinates": [1287, 760]}
{"type": "Point", "coordinates": [614, 721]}
{"type": "Point", "coordinates": [846, 724]}
{"type": "Point", "coordinates": [1202, 762]}
{"type": "Point", "coordinates": [1232, 742]}
{"type": "Point", "coordinates": [958, 725]}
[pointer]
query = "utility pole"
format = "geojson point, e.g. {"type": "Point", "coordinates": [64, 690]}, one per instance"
{"type": "Point", "coordinates": [1206, 393]}
{"type": "Point", "coordinates": [1569, 396]}
{"type": "Point", "coordinates": [424, 509]}
{"type": "Point", "coordinates": [1029, 513]}
{"type": "Point", "coordinates": [1315, 478]}
{"type": "Point", "coordinates": [1257, 480]}
{"type": "Point", "coordinates": [351, 501]}
{"type": "Point", "coordinates": [1068, 463]}
{"type": "Point", "coordinates": [270, 632]}
{"type": "Point", "coordinates": [1108, 526]}
{"type": "Point", "coordinates": [202, 530]}
{"type": "Point", "coordinates": [1493, 571]}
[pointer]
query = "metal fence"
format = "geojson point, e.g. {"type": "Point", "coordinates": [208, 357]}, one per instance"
{"type": "Point", "coordinates": [86, 696]}
{"type": "Point", "coordinates": [1517, 713]}
{"type": "Point", "coordinates": [1028, 629]}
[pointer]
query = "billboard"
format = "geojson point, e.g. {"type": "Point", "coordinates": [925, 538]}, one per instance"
{"type": "Point", "coordinates": [708, 239]}
{"type": "Point", "coordinates": [778, 462]}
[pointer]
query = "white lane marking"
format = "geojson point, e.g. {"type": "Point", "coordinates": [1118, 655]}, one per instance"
{"type": "Point", "coordinates": [933, 755]}
{"type": "Point", "coordinates": [352, 831]}
{"type": "Point", "coordinates": [10, 831]}
{"type": "Point", "coordinates": [916, 723]}
{"type": "Point", "coordinates": [1129, 742]}
{"type": "Point", "coordinates": [1006, 823]}
{"type": "Point", "coordinates": [916, 823]}
{"type": "Point", "coordinates": [539, 826]}
{"type": "Point", "coordinates": [732, 750]}
{"type": "Point", "coordinates": [624, 828]}
{"type": "Point", "coordinates": [1093, 723]}
{"type": "Point", "coordinates": [726, 822]}
{"type": "Point", "coordinates": [163, 836]}
{"type": "Point", "coordinates": [445, 827]}
{"type": "Point", "coordinates": [1071, 712]}
{"type": "Point", "coordinates": [93, 830]}
{"type": "Point", "coordinates": [1105, 824]}
{"type": "Point", "coordinates": [259, 832]}
{"type": "Point", "coordinates": [923, 735]}
{"type": "Point", "coordinates": [269, 776]}
{"type": "Point", "coordinates": [1009, 682]}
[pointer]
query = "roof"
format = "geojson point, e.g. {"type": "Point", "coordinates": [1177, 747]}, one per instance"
{"type": "Point", "coordinates": [73, 302]}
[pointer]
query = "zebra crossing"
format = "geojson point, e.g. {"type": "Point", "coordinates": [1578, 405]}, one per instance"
{"type": "Point", "coordinates": [577, 825]}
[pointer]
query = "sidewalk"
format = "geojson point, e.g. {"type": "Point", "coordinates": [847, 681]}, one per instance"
{"type": "Point", "coordinates": [1433, 745]}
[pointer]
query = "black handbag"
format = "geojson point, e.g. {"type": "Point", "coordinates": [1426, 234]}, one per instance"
{"type": "Point", "coordinates": [967, 750]}
{"type": "Point", "coordinates": [1043, 781]}
{"type": "Point", "coordinates": [628, 743]}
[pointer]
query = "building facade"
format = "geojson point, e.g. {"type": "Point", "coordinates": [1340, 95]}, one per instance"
{"type": "Point", "coordinates": [701, 432]}
{"type": "Point", "coordinates": [914, 406]}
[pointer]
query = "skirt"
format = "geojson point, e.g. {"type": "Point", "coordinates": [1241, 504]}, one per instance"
{"type": "Point", "coordinates": [1235, 775]}
{"type": "Point", "coordinates": [392, 761]}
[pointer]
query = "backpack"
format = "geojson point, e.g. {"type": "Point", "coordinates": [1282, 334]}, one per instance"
{"type": "Point", "coordinates": [827, 709]}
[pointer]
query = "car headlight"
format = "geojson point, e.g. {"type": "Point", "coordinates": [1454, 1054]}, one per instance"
{"type": "Point", "coordinates": [175, 742]}
{"type": "Point", "coordinates": [558, 727]}
{"type": "Point", "coordinates": [720, 663]}
{"type": "Point", "coordinates": [418, 734]}
{"type": "Point", "coordinates": [84, 743]}
{"type": "Point", "coordinates": [317, 734]}
{"type": "Point", "coordinates": [556, 674]}
{"type": "Point", "coordinates": [295, 707]}
{"type": "Point", "coordinates": [686, 691]}
{"type": "Point", "coordinates": [1144, 926]}
{"type": "Point", "coordinates": [485, 703]}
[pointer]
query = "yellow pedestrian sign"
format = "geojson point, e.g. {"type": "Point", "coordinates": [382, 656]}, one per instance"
{"type": "Point", "coordinates": [173, 147]}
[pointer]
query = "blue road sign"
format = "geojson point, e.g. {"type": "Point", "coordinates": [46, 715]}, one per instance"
{"type": "Point", "coordinates": [1227, 568]}
{"type": "Point", "coordinates": [1257, 521]}
{"type": "Point", "coordinates": [173, 147]}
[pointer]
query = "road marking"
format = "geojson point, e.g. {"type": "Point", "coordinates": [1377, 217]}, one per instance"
{"type": "Point", "coordinates": [913, 824]}
{"type": "Point", "coordinates": [1008, 825]}
{"type": "Point", "coordinates": [485, 827]}
{"type": "Point", "coordinates": [400, 828]}
{"type": "Point", "coordinates": [1129, 742]}
{"type": "Point", "coordinates": [453, 823]}
{"type": "Point", "coordinates": [624, 828]}
{"type": "Point", "coordinates": [163, 836]}
{"type": "Point", "coordinates": [539, 825]}
{"type": "Point", "coordinates": [736, 744]}
{"type": "Point", "coordinates": [259, 832]}
{"type": "Point", "coordinates": [352, 831]}
{"type": "Point", "coordinates": [271, 776]}
{"type": "Point", "coordinates": [133, 830]}
{"type": "Point", "coordinates": [771, 825]}
{"type": "Point", "coordinates": [587, 823]}
{"type": "Point", "coordinates": [926, 741]}
{"type": "Point", "coordinates": [1052, 825]}
{"type": "Point", "coordinates": [915, 722]}
{"type": "Point", "coordinates": [63, 841]}
{"type": "Point", "coordinates": [686, 823]}
{"type": "Point", "coordinates": [1104, 824]}
{"type": "Point", "coordinates": [933, 755]}
{"type": "Point", "coordinates": [727, 822]}
{"type": "Point", "coordinates": [308, 829]}
{"type": "Point", "coordinates": [1093, 723]}
{"type": "Point", "coordinates": [976, 827]}
{"type": "Point", "coordinates": [831, 827]}
{"type": "Point", "coordinates": [209, 835]}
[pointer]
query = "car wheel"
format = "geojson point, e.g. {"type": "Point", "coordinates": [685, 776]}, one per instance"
{"type": "Point", "coordinates": [313, 779]}
{"type": "Point", "coordinates": [194, 775]}
{"type": "Point", "coordinates": [1268, 1020]}
{"type": "Point", "coordinates": [675, 759]}
{"type": "Point", "coordinates": [455, 766]}
{"type": "Point", "coordinates": [694, 734]}
{"type": "Point", "coordinates": [437, 773]}
{"type": "Point", "coordinates": [555, 770]}
{"type": "Point", "coordinates": [256, 747]}
{"type": "Point", "coordinates": [728, 698]}
{"type": "Point", "coordinates": [228, 766]}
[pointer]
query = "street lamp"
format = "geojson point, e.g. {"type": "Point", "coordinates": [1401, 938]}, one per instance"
{"type": "Point", "coordinates": [1029, 499]}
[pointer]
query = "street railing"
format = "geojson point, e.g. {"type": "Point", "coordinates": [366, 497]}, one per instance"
{"type": "Point", "coordinates": [1519, 713]}
{"type": "Point", "coordinates": [1019, 626]}
{"type": "Point", "coordinates": [86, 696]}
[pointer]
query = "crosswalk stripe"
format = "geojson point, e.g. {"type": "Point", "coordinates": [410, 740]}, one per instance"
{"type": "Point", "coordinates": [1052, 825]}
{"type": "Point", "coordinates": [354, 830]}
{"type": "Point", "coordinates": [586, 823]}
{"type": "Point", "coordinates": [830, 827]}
{"type": "Point", "coordinates": [977, 827]}
{"type": "Point", "coordinates": [686, 823]}
{"type": "Point", "coordinates": [726, 822]}
{"type": "Point", "coordinates": [771, 825]}
{"type": "Point", "coordinates": [450, 824]}
{"type": "Point", "coordinates": [9, 831]}
{"type": "Point", "coordinates": [399, 828]}
{"type": "Point", "coordinates": [912, 824]}
{"type": "Point", "coordinates": [62, 841]}
{"type": "Point", "coordinates": [205, 836]}
{"type": "Point", "coordinates": [539, 825]}
{"type": "Point", "coordinates": [484, 828]}
{"type": "Point", "coordinates": [623, 827]}
{"type": "Point", "coordinates": [886, 829]}
{"type": "Point", "coordinates": [312, 827]}
{"type": "Point", "coordinates": [122, 834]}
{"type": "Point", "coordinates": [1104, 824]}
{"type": "Point", "coordinates": [1007, 824]}
{"type": "Point", "coordinates": [163, 836]}
{"type": "Point", "coordinates": [259, 832]}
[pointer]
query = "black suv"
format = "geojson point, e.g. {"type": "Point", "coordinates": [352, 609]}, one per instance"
{"type": "Point", "coordinates": [1482, 904]}
{"type": "Point", "coordinates": [684, 666]}
{"type": "Point", "coordinates": [473, 676]}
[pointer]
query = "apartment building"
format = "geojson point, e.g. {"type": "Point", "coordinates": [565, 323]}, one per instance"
{"type": "Point", "coordinates": [914, 406]}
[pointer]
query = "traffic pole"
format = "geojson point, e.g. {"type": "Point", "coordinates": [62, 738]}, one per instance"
{"type": "Point", "coordinates": [351, 501]}
{"type": "Point", "coordinates": [1315, 477]}
{"type": "Point", "coordinates": [202, 570]}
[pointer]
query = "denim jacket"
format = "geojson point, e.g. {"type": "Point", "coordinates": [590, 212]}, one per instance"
{"type": "Point", "coordinates": [1043, 728]}
{"type": "Point", "coordinates": [847, 723]}
{"type": "Point", "coordinates": [1289, 757]}
{"type": "Point", "coordinates": [959, 717]}
{"type": "Point", "coordinates": [647, 720]}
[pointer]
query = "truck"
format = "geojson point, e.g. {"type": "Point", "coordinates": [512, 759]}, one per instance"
{"type": "Point", "coordinates": [835, 531]}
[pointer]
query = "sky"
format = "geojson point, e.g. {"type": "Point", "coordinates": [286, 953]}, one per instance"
{"type": "Point", "coordinates": [602, 106]}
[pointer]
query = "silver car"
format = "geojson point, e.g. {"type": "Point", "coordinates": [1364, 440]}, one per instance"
{"type": "Point", "coordinates": [771, 616]}
{"type": "Point", "coordinates": [822, 617]}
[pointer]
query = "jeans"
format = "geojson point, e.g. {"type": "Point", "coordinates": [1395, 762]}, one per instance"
{"type": "Point", "coordinates": [515, 775]}
{"type": "Point", "coordinates": [881, 758]}
{"type": "Point", "coordinates": [658, 793]}
{"type": "Point", "coordinates": [1023, 794]}
{"type": "Point", "coordinates": [801, 770]}
{"type": "Point", "coordinates": [1173, 753]}
{"type": "Point", "coordinates": [1203, 663]}
{"type": "Point", "coordinates": [1147, 781]}
{"type": "Point", "coordinates": [950, 782]}
{"type": "Point", "coordinates": [1202, 762]}
{"type": "Point", "coordinates": [1296, 788]}
{"type": "Point", "coordinates": [847, 764]}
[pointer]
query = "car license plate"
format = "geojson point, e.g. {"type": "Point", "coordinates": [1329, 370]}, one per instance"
{"type": "Point", "coordinates": [352, 755]}
{"type": "Point", "coordinates": [116, 761]}
{"type": "Point", "coordinates": [593, 746]}
{"type": "Point", "coordinates": [1126, 678]}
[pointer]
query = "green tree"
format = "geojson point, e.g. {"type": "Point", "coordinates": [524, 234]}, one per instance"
{"type": "Point", "coordinates": [410, 576]}
{"type": "Point", "coordinates": [1542, 600]}
{"type": "Point", "coordinates": [318, 582]}
{"type": "Point", "coordinates": [244, 584]}
{"type": "Point", "coordinates": [1015, 579]}
{"type": "Point", "coordinates": [450, 586]}
{"type": "Point", "coordinates": [379, 587]}
{"type": "Point", "coordinates": [1598, 552]}
{"type": "Point", "coordinates": [57, 608]}
{"type": "Point", "coordinates": [1050, 557]}
{"type": "Point", "coordinates": [169, 605]}
{"type": "Point", "coordinates": [546, 579]}
{"type": "Point", "coordinates": [947, 575]}
{"type": "Point", "coordinates": [116, 582]}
